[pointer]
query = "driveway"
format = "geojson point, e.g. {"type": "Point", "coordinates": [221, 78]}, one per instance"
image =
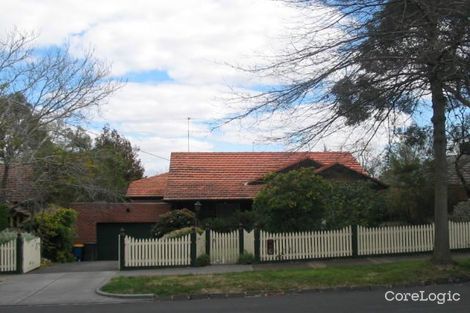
{"type": "Point", "coordinates": [75, 283]}
{"type": "Point", "coordinates": [70, 283]}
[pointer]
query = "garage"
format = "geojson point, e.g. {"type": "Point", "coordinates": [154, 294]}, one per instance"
{"type": "Point", "coordinates": [107, 237]}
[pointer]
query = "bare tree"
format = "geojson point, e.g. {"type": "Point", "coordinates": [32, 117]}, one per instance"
{"type": "Point", "coordinates": [39, 91]}
{"type": "Point", "coordinates": [365, 62]}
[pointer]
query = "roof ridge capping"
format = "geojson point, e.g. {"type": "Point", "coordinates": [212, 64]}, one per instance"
{"type": "Point", "coordinates": [261, 152]}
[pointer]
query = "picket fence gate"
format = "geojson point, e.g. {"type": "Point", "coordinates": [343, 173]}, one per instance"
{"type": "Point", "coordinates": [20, 255]}
{"type": "Point", "coordinates": [225, 248]}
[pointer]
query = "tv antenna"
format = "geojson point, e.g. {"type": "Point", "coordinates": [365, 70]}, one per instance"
{"type": "Point", "coordinates": [188, 131]}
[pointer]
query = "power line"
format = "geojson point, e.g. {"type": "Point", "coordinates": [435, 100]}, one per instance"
{"type": "Point", "coordinates": [140, 150]}
{"type": "Point", "coordinates": [154, 155]}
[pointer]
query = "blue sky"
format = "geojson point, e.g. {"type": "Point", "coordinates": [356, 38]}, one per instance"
{"type": "Point", "coordinates": [177, 58]}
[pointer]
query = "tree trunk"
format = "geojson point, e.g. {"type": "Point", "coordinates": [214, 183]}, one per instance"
{"type": "Point", "coordinates": [441, 253]}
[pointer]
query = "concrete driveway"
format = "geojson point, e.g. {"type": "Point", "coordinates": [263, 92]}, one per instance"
{"type": "Point", "coordinates": [72, 283]}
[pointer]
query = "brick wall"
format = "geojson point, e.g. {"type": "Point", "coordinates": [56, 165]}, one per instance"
{"type": "Point", "coordinates": [91, 213]}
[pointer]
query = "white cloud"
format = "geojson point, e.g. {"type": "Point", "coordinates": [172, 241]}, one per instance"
{"type": "Point", "coordinates": [163, 147]}
{"type": "Point", "coordinates": [192, 41]}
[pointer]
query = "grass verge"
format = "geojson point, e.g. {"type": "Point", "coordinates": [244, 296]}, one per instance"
{"type": "Point", "coordinates": [271, 281]}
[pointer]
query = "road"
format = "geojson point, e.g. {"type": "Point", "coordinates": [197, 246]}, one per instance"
{"type": "Point", "coordinates": [338, 301]}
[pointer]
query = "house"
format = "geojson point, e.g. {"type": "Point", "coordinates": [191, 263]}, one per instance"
{"type": "Point", "coordinates": [458, 191]}
{"type": "Point", "coordinates": [19, 191]}
{"type": "Point", "coordinates": [222, 182]}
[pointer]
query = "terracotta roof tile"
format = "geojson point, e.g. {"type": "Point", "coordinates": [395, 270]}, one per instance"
{"type": "Point", "coordinates": [225, 175]}
{"type": "Point", "coordinates": [19, 186]}
{"type": "Point", "coordinates": [153, 186]}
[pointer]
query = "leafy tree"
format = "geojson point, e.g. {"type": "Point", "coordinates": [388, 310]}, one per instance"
{"type": "Point", "coordinates": [355, 203]}
{"type": "Point", "coordinates": [459, 143]}
{"type": "Point", "coordinates": [173, 220]}
{"type": "Point", "coordinates": [76, 168]}
{"type": "Point", "coordinates": [292, 201]}
{"type": "Point", "coordinates": [116, 163]}
{"type": "Point", "coordinates": [461, 212]}
{"type": "Point", "coordinates": [365, 62]}
{"type": "Point", "coordinates": [56, 228]}
{"type": "Point", "coordinates": [408, 172]}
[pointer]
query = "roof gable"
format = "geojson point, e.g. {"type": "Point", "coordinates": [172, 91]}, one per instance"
{"type": "Point", "coordinates": [297, 164]}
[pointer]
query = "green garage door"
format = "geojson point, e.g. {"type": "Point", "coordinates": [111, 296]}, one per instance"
{"type": "Point", "coordinates": [107, 237]}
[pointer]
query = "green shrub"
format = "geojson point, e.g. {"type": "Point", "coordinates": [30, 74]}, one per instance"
{"type": "Point", "coordinates": [3, 216]}
{"type": "Point", "coordinates": [178, 233]}
{"type": "Point", "coordinates": [292, 201]}
{"type": "Point", "coordinates": [56, 227]}
{"type": "Point", "coordinates": [232, 222]}
{"type": "Point", "coordinates": [353, 203]}
{"type": "Point", "coordinates": [221, 224]}
{"type": "Point", "coordinates": [246, 258]}
{"type": "Point", "coordinates": [203, 260]}
{"type": "Point", "coordinates": [8, 235]}
{"type": "Point", "coordinates": [173, 220]}
{"type": "Point", "coordinates": [461, 212]}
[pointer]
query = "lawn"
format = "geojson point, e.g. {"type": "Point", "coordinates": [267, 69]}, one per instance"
{"type": "Point", "coordinates": [289, 279]}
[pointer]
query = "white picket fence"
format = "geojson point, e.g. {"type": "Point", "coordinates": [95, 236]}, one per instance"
{"type": "Point", "coordinates": [8, 256]}
{"type": "Point", "coordinates": [224, 247]}
{"type": "Point", "coordinates": [305, 245]}
{"type": "Point", "coordinates": [395, 239]}
{"type": "Point", "coordinates": [31, 254]}
{"type": "Point", "coordinates": [459, 235]}
{"type": "Point", "coordinates": [409, 238]}
{"type": "Point", "coordinates": [157, 252]}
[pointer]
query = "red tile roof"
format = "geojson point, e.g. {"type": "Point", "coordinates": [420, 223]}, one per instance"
{"type": "Point", "coordinates": [226, 175]}
{"type": "Point", "coordinates": [20, 186]}
{"type": "Point", "coordinates": [153, 186]}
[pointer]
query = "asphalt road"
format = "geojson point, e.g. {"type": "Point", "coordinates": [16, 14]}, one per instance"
{"type": "Point", "coordinates": [338, 301]}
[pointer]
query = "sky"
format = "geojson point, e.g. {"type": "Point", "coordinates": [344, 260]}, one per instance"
{"type": "Point", "coordinates": [179, 59]}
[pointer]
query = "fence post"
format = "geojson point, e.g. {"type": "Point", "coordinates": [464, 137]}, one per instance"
{"type": "Point", "coordinates": [208, 240]}
{"type": "Point", "coordinates": [19, 253]}
{"type": "Point", "coordinates": [354, 239]}
{"type": "Point", "coordinates": [122, 254]}
{"type": "Point", "coordinates": [193, 247]}
{"type": "Point", "coordinates": [241, 239]}
{"type": "Point", "coordinates": [257, 244]}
